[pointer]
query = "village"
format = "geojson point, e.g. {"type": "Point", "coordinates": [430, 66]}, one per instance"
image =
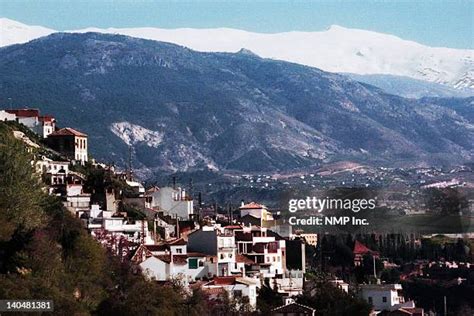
{"type": "Point", "coordinates": [169, 236]}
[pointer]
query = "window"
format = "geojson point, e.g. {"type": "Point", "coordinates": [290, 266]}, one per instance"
{"type": "Point", "coordinates": [222, 256]}
{"type": "Point", "coordinates": [179, 250]}
{"type": "Point", "coordinates": [237, 293]}
{"type": "Point", "coordinates": [193, 263]}
{"type": "Point", "coordinates": [384, 299]}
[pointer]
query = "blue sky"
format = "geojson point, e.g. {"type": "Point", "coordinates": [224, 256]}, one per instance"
{"type": "Point", "coordinates": [435, 23]}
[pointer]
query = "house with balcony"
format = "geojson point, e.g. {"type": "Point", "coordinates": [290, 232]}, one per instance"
{"type": "Point", "coordinates": [264, 249]}
{"type": "Point", "coordinates": [171, 261]}
{"type": "Point", "coordinates": [385, 297]}
{"type": "Point", "coordinates": [219, 243]}
{"type": "Point", "coordinates": [171, 201]}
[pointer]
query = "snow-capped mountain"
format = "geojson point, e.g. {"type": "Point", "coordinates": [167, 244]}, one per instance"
{"type": "Point", "coordinates": [182, 110]}
{"type": "Point", "coordinates": [13, 32]}
{"type": "Point", "coordinates": [337, 49]}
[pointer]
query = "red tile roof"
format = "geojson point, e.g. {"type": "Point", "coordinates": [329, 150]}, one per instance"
{"type": "Point", "coordinates": [252, 205]}
{"type": "Point", "coordinates": [361, 249]}
{"type": "Point", "coordinates": [177, 259]}
{"type": "Point", "coordinates": [229, 280]}
{"type": "Point", "coordinates": [24, 112]}
{"type": "Point", "coordinates": [67, 131]}
{"type": "Point", "coordinates": [244, 259]}
{"type": "Point", "coordinates": [46, 118]}
{"type": "Point", "coordinates": [233, 227]}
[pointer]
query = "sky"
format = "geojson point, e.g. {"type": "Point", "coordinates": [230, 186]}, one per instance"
{"type": "Point", "coordinates": [447, 23]}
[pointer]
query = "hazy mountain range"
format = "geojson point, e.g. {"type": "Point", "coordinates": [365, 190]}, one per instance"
{"type": "Point", "coordinates": [338, 49]}
{"type": "Point", "coordinates": [182, 110]}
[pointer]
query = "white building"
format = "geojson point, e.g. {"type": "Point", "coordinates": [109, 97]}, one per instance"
{"type": "Point", "coordinates": [55, 172]}
{"type": "Point", "coordinates": [71, 143]}
{"type": "Point", "coordinates": [118, 225]}
{"type": "Point", "coordinates": [265, 250]}
{"type": "Point", "coordinates": [385, 296]}
{"type": "Point", "coordinates": [174, 202]}
{"type": "Point", "coordinates": [5, 116]}
{"type": "Point", "coordinates": [236, 287]}
{"type": "Point", "coordinates": [171, 261]}
{"type": "Point", "coordinates": [256, 210]}
{"type": "Point", "coordinates": [41, 125]}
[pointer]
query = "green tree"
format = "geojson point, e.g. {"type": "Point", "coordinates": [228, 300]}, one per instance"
{"type": "Point", "coordinates": [20, 190]}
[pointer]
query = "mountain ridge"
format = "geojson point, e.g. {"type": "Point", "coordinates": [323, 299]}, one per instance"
{"type": "Point", "coordinates": [338, 49]}
{"type": "Point", "coordinates": [183, 110]}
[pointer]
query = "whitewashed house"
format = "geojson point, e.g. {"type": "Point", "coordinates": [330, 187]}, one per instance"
{"type": "Point", "coordinates": [236, 287]}
{"type": "Point", "coordinates": [386, 297]}
{"type": "Point", "coordinates": [171, 261]}
{"type": "Point", "coordinates": [5, 116]}
{"type": "Point", "coordinates": [174, 202]}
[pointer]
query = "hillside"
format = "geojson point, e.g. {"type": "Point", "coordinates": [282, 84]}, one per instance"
{"type": "Point", "coordinates": [183, 110]}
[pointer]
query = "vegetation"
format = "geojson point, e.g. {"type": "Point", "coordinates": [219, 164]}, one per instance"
{"type": "Point", "coordinates": [45, 253]}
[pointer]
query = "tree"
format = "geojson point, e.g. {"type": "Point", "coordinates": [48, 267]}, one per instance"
{"type": "Point", "coordinates": [20, 190]}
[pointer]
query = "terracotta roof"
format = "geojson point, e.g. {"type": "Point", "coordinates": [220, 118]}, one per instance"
{"type": "Point", "coordinates": [252, 205]}
{"type": "Point", "coordinates": [233, 227]}
{"type": "Point", "coordinates": [67, 131]}
{"type": "Point", "coordinates": [244, 259]}
{"type": "Point", "coordinates": [24, 112]}
{"type": "Point", "coordinates": [46, 118]}
{"type": "Point", "coordinates": [155, 248]}
{"type": "Point", "coordinates": [361, 249]}
{"type": "Point", "coordinates": [177, 259]}
{"type": "Point", "coordinates": [228, 280]}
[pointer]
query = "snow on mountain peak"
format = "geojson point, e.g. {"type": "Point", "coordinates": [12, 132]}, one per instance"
{"type": "Point", "coordinates": [14, 32]}
{"type": "Point", "coordinates": [337, 49]}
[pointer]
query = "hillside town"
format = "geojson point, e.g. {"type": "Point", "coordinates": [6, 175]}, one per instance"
{"type": "Point", "coordinates": [170, 236]}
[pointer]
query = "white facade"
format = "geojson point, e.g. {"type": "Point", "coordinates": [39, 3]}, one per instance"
{"type": "Point", "coordinates": [5, 116]}
{"type": "Point", "coordinates": [174, 202]}
{"type": "Point", "coordinates": [383, 296]}
{"type": "Point", "coordinates": [264, 250]}
{"type": "Point", "coordinates": [226, 255]}
{"type": "Point", "coordinates": [256, 210]}
{"type": "Point", "coordinates": [80, 153]}
{"type": "Point", "coordinates": [236, 287]}
{"type": "Point", "coordinates": [56, 171]}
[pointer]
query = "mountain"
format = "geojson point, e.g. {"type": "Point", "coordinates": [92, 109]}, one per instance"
{"type": "Point", "coordinates": [14, 32]}
{"type": "Point", "coordinates": [412, 88]}
{"type": "Point", "coordinates": [185, 110]}
{"type": "Point", "coordinates": [338, 49]}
